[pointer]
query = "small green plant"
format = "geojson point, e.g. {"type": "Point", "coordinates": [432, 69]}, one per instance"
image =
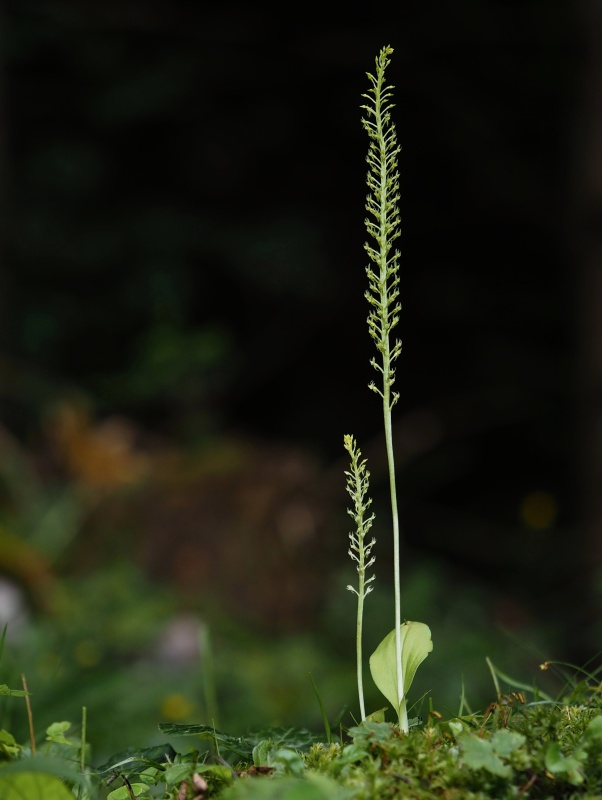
{"type": "Point", "coordinates": [394, 662]}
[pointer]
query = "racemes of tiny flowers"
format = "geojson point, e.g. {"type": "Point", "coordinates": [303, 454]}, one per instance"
{"type": "Point", "coordinates": [360, 549]}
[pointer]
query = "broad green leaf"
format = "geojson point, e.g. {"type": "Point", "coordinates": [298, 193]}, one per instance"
{"type": "Point", "coordinates": [33, 786]}
{"type": "Point", "coordinates": [478, 754]}
{"type": "Point", "coordinates": [416, 644]}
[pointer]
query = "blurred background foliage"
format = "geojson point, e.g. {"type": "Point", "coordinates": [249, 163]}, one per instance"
{"type": "Point", "coordinates": [183, 347]}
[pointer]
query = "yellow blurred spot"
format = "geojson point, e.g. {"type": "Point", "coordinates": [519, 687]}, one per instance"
{"type": "Point", "coordinates": [539, 510]}
{"type": "Point", "coordinates": [87, 653]}
{"type": "Point", "coordinates": [176, 706]}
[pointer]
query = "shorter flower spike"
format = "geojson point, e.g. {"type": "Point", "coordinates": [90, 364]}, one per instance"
{"type": "Point", "coordinates": [358, 479]}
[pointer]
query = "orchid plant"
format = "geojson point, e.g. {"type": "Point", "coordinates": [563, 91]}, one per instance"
{"type": "Point", "coordinates": [395, 661]}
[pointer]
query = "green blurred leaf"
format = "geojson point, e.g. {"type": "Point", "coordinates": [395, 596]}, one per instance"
{"type": "Point", "coordinates": [594, 729]}
{"type": "Point", "coordinates": [377, 716]}
{"type": "Point", "coordinates": [567, 767]}
{"type": "Point", "coordinates": [177, 773]}
{"type": "Point", "coordinates": [134, 759]}
{"type": "Point", "coordinates": [56, 733]}
{"type": "Point", "coordinates": [295, 738]}
{"type": "Point", "coordinates": [479, 754]}
{"type": "Point", "coordinates": [505, 742]}
{"type": "Point", "coordinates": [219, 771]}
{"type": "Point", "coordinates": [123, 793]}
{"type": "Point", "coordinates": [262, 751]}
{"type": "Point", "coordinates": [234, 743]}
{"type": "Point", "coordinates": [33, 786]}
{"type": "Point", "coordinates": [289, 762]}
{"type": "Point", "coordinates": [4, 690]}
{"type": "Point", "coordinates": [315, 787]}
{"type": "Point", "coordinates": [46, 765]}
{"type": "Point", "coordinates": [370, 731]}
{"type": "Point", "coordinates": [8, 744]}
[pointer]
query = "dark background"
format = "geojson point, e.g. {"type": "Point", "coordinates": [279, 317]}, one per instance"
{"type": "Point", "coordinates": [183, 322]}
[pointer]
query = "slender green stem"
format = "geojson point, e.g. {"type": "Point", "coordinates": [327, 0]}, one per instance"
{"type": "Point", "coordinates": [32, 738]}
{"type": "Point", "coordinates": [358, 648]}
{"type": "Point", "coordinates": [403, 719]}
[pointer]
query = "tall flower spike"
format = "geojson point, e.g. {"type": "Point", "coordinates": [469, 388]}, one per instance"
{"type": "Point", "coordinates": [383, 227]}
{"type": "Point", "coordinates": [383, 223]}
{"type": "Point", "coordinates": [358, 479]}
